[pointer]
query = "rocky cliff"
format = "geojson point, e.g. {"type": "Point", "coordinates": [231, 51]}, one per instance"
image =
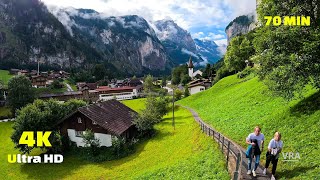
{"type": "Point", "coordinates": [240, 25]}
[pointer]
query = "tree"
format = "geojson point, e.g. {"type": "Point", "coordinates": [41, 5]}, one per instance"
{"type": "Point", "coordinates": [20, 92]}
{"type": "Point", "coordinates": [178, 73]}
{"type": "Point", "coordinates": [56, 84]}
{"type": "Point", "coordinates": [289, 56]}
{"type": "Point", "coordinates": [185, 79]}
{"type": "Point", "coordinates": [148, 84]}
{"type": "Point", "coordinates": [186, 91]}
{"type": "Point", "coordinates": [155, 109]}
{"type": "Point", "coordinates": [178, 94]}
{"type": "Point", "coordinates": [1, 90]}
{"type": "Point", "coordinates": [40, 116]}
{"type": "Point", "coordinates": [91, 143]}
{"type": "Point", "coordinates": [238, 51]}
{"type": "Point", "coordinates": [99, 71]}
{"type": "Point", "coordinates": [164, 81]}
{"type": "Point", "coordinates": [207, 73]}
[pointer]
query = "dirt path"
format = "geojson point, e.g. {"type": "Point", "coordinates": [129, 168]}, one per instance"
{"type": "Point", "coordinates": [235, 148]}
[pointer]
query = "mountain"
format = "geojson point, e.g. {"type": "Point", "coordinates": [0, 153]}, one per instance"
{"type": "Point", "coordinates": [177, 41]}
{"type": "Point", "coordinates": [241, 25]}
{"type": "Point", "coordinates": [77, 39]}
{"type": "Point", "coordinates": [180, 45]}
{"type": "Point", "coordinates": [208, 50]}
{"type": "Point", "coordinates": [127, 42]}
{"type": "Point", "coordinates": [74, 39]}
{"type": "Point", "coordinates": [29, 32]}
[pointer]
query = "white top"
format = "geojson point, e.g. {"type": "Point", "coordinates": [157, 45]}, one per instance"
{"type": "Point", "coordinates": [275, 144]}
{"type": "Point", "coordinates": [259, 138]}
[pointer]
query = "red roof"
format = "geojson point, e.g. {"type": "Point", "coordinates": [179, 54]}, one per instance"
{"type": "Point", "coordinates": [107, 88]}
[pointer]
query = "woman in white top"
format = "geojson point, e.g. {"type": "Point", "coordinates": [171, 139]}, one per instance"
{"type": "Point", "coordinates": [274, 149]}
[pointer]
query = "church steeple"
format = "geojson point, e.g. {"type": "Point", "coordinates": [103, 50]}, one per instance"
{"type": "Point", "coordinates": [190, 67]}
{"type": "Point", "coordinates": [190, 64]}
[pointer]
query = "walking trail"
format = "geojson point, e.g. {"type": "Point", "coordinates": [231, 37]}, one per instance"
{"type": "Point", "coordinates": [244, 163]}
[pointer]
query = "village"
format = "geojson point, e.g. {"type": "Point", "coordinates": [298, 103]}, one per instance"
{"type": "Point", "coordinates": [103, 106]}
{"type": "Point", "coordinates": [119, 89]}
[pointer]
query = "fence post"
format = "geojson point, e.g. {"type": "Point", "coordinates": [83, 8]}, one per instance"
{"type": "Point", "coordinates": [213, 134]}
{"type": "Point", "coordinates": [219, 138]}
{"type": "Point", "coordinates": [222, 144]}
{"type": "Point", "coordinates": [236, 173]}
{"type": "Point", "coordinates": [228, 153]}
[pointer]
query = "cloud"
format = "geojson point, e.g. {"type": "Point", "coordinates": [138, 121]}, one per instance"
{"type": "Point", "coordinates": [198, 35]}
{"type": "Point", "coordinates": [186, 13]}
{"type": "Point", "coordinates": [210, 36]}
{"type": "Point", "coordinates": [183, 50]}
{"type": "Point", "coordinates": [222, 45]}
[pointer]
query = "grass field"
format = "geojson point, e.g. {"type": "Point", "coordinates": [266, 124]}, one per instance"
{"type": "Point", "coordinates": [73, 86]}
{"type": "Point", "coordinates": [5, 76]}
{"type": "Point", "coordinates": [184, 153]}
{"type": "Point", "coordinates": [235, 106]}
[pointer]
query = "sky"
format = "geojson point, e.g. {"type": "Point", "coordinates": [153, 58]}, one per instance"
{"type": "Point", "coordinates": [204, 19]}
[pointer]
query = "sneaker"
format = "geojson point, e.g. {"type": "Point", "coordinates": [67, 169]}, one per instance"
{"type": "Point", "coordinates": [265, 171]}
{"type": "Point", "coordinates": [273, 178]}
{"type": "Point", "coordinates": [254, 173]}
{"type": "Point", "coordinates": [249, 172]}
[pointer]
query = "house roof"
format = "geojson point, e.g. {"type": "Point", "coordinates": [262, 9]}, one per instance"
{"type": "Point", "coordinates": [197, 84]}
{"type": "Point", "coordinates": [111, 115]}
{"type": "Point", "coordinates": [91, 86]}
{"type": "Point", "coordinates": [107, 88]}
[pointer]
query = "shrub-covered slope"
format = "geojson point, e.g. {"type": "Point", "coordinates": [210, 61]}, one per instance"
{"type": "Point", "coordinates": [234, 106]}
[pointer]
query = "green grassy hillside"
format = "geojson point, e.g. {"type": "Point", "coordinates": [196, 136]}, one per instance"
{"type": "Point", "coordinates": [184, 153]}
{"type": "Point", "coordinates": [5, 76]}
{"type": "Point", "coordinates": [234, 106]}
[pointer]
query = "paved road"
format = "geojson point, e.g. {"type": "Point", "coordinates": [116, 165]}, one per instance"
{"type": "Point", "coordinates": [244, 163]}
{"type": "Point", "coordinates": [69, 88]}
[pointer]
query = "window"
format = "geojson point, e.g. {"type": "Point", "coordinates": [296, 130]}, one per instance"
{"type": "Point", "coordinates": [79, 120]}
{"type": "Point", "coordinates": [201, 89]}
{"type": "Point", "coordinates": [93, 122]}
{"type": "Point", "coordinates": [79, 133]}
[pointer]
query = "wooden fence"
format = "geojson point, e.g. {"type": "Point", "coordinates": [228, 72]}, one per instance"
{"type": "Point", "coordinates": [227, 146]}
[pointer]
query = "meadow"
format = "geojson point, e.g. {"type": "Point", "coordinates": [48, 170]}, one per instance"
{"type": "Point", "coordinates": [235, 106]}
{"type": "Point", "coordinates": [5, 76]}
{"type": "Point", "coordinates": [183, 153]}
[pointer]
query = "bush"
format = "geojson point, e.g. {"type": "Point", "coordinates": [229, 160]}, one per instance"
{"type": "Point", "coordinates": [246, 72]}
{"type": "Point", "coordinates": [92, 144]}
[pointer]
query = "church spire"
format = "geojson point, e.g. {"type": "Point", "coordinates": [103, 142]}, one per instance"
{"type": "Point", "coordinates": [190, 64]}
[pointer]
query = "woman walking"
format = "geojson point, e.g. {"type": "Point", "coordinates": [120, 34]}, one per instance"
{"type": "Point", "coordinates": [273, 153]}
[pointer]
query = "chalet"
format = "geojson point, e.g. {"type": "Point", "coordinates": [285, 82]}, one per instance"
{"type": "Point", "coordinates": [14, 71]}
{"type": "Point", "coordinates": [118, 93]}
{"type": "Point", "coordinates": [134, 82]}
{"type": "Point", "coordinates": [38, 81]}
{"type": "Point", "coordinates": [198, 85]}
{"type": "Point", "coordinates": [23, 72]}
{"type": "Point", "coordinates": [85, 94]}
{"type": "Point", "coordinates": [91, 86]}
{"type": "Point", "coordinates": [106, 119]}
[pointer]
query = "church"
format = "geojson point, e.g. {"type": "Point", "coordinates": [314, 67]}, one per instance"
{"type": "Point", "coordinates": [190, 70]}
{"type": "Point", "coordinates": [197, 84]}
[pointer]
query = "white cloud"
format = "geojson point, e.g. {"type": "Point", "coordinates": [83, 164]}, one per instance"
{"type": "Point", "coordinates": [198, 35]}
{"type": "Point", "coordinates": [222, 45]}
{"type": "Point", "coordinates": [186, 13]}
{"type": "Point", "coordinates": [183, 50]}
{"type": "Point", "coordinates": [221, 42]}
{"type": "Point", "coordinates": [209, 36]}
